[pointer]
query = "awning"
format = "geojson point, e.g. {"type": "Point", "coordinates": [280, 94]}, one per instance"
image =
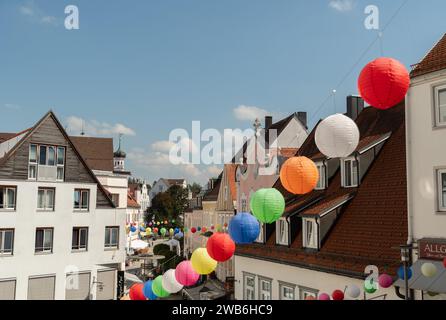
{"type": "Point", "coordinates": [418, 281]}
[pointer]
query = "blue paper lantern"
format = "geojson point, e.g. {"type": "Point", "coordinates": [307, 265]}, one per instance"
{"type": "Point", "coordinates": [148, 292]}
{"type": "Point", "coordinates": [401, 273]}
{"type": "Point", "coordinates": [244, 228]}
{"type": "Point", "coordinates": [179, 235]}
{"type": "Point", "coordinates": [133, 229]}
{"type": "Point", "coordinates": [176, 230]}
{"type": "Point", "coordinates": [142, 229]}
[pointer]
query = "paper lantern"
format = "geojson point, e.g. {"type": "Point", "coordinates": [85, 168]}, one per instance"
{"type": "Point", "coordinates": [324, 297]}
{"type": "Point", "coordinates": [166, 222]}
{"type": "Point", "coordinates": [204, 229]}
{"type": "Point", "coordinates": [202, 263]}
{"type": "Point", "coordinates": [170, 283]}
{"type": "Point", "coordinates": [401, 273]}
{"type": "Point", "coordinates": [136, 292]}
{"type": "Point", "coordinates": [385, 281]}
{"type": "Point", "coordinates": [150, 224]}
{"type": "Point", "coordinates": [299, 175]}
{"type": "Point", "coordinates": [179, 235]}
{"type": "Point", "coordinates": [225, 225]}
{"type": "Point", "coordinates": [244, 228]}
{"type": "Point", "coordinates": [353, 291]}
{"type": "Point", "coordinates": [142, 229]}
{"type": "Point", "coordinates": [370, 286]}
{"type": "Point", "coordinates": [176, 230]}
{"type": "Point", "coordinates": [212, 227]}
{"type": "Point", "coordinates": [220, 247]}
{"type": "Point", "coordinates": [267, 205]}
{"type": "Point", "coordinates": [193, 230]}
{"type": "Point", "coordinates": [133, 229]}
{"type": "Point", "coordinates": [429, 270]}
{"type": "Point", "coordinates": [171, 231]}
{"type": "Point", "coordinates": [149, 230]}
{"type": "Point", "coordinates": [158, 223]}
{"type": "Point", "coordinates": [148, 292]}
{"type": "Point", "coordinates": [199, 229]}
{"type": "Point", "coordinates": [158, 289]}
{"type": "Point", "coordinates": [185, 274]}
{"type": "Point", "coordinates": [338, 295]}
{"type": "Point", "coordinates": [163, 231]}
{"type": "Point", "coordinates": [155, 230]}
{"type": "Point", "coordinates": [337, 136]}
{"type": "Point", "coordinates": [383, 83]}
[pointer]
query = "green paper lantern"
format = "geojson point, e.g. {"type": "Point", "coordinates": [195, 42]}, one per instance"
{"type": "Point", "coordinates": [158, 289]}
{"type": "Point", "coordinates": [163, 232]}
{"type": "Point", "coordinates": [267, 205]}
{"type": "Point", "coordinates": [370, 286]}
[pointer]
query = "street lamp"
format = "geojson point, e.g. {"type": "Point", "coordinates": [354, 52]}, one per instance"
{"type": "Point", "coordinates": [406, 258]}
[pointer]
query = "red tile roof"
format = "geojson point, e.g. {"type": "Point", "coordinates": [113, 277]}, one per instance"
{"type": "Point", "coordinates": [371, 226]}
{"type": "Point", "coordinates": [131, 202]}
{"type": "Point", "coordinates": [435, 60]}
{"type": "Point", "coordinates": [97, 152]}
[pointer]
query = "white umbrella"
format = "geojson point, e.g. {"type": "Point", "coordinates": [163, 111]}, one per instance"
{"type": "Point", "coordinates": [138, 244]}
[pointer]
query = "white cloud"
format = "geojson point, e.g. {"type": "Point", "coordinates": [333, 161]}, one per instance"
{"type": "Point", "coordinates": [342, 5]}
{"type": "Point", "coordinates": [162, 146]}
{"type": "Point", "coordinates": [247, 113]}
{"type": "Point", "coordinates": [214, 171]}
{"type": "Point", "coordinates": [12, 106]}
{"type": "Point", "coordinates": [76, 125]}
{"type": "Point", "coordinates": [35, 14]}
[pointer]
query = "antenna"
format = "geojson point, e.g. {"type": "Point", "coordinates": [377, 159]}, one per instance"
{"type": "Point", "coordinates": [83, 131]}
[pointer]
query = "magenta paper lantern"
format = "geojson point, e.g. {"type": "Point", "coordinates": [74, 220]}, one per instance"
{"type": "Point", "coordinates": [185, 274]}
{"type": "Point", "coordinates": [385, 281]}
{"type": "Point", "coordinates": [324, 297]}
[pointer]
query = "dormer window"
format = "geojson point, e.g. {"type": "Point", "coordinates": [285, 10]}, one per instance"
{"type": "Point", "coordinates": [282, 237]}
{"type": "Point", "coordinates": [321, 184]}
{"type": "Point", "coordinates": [350, 172]}
{"type": "Point", "coordinates": [46, 163]}
{"type": "Point", "coordinates": [310, 234]}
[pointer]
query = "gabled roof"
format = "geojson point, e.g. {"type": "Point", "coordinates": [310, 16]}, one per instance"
{"type": "Point", "coordinates": [174, 182]}
{"type": "Point", "coordinates": [97, 152]}
{"type": "Point", "coordinates": [28, 133]}
{"type": "Point", "coordinates": [131, 202]}
{"type": "Point", "coordinates": [435, 60]}
{"type": "Point", "coordinates": [373, 219]}
{"type": "Point", "coordinates": [212, 195]}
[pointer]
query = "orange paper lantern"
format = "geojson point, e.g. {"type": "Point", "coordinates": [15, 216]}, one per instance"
{"type": "Point", "coordinates": [299, 175]}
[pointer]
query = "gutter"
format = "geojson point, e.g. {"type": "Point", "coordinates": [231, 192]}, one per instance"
{"type": "Point", "coordinates": [408, 162]}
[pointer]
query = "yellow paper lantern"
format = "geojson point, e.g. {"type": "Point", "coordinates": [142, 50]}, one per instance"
{"type": "Point", "coordinates": [202, 263]}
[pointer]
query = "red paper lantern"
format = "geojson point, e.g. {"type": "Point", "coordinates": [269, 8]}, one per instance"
{"type": "Point", "coordinates": [225, 225]}
{"type": "Point", "coordinates": [204, 229]}
{"type": "Point", "coordinates": [136, 292]}
{"type": "Point", "coordinates": [193, 230]}
{"type": "Point", "coordinates": [384, 83]}
{"type": "Point", "coordinates": [220, 247]}
{"type": "Point", "coordinates": [338, 295]}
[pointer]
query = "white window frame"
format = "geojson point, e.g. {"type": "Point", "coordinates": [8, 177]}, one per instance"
{"type": "Point", "coordinates": [305, 292]}
{"type": "Point", "coordinates": [291, 287]}
{"type": "Point", "coordinates": [310, 239]}
{"type": "Point", "coordinates": [321, 184]}
{"type": "Point", "coordinates": [437, 90]}
{"type": "Point", "coordinates": [33, 163]}
{"type": "Point", "coordinates": [261, 237]}
{"type": "Point", "coordinates": [354, 175]}
{"type": "Point", "coordinates": [282, 232]}
{"type": "Point", "coordinates": [251, 295]}
{"type": "Point", "coordinates": [59, 166]}
{"type": "Point", "coordinates": [46, 205]}
{"type": "Point", "coordinates": [78, 246]}
{"type": "Point", "coordinates": [80, 207]}
{"type": "Point", "coordinates": [44, 249]}
{"type": "Point", "coordinates": [265, 295]}
{"type": "Point", "coordinates": [5, 190]}
{"type": "Point", "coordinates": [110, 244]}
{"type": "Point", "coordinates": [3, 252]}
{"type": "Point", "coordinates": [441, 190]}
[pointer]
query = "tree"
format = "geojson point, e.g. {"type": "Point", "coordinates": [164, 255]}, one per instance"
{"type": "Point", "coordinates": [162, 207]}
{"type": "Point", "coordinates": [180, 200]}
{"type": "Point", "coordinates": [195, 188]}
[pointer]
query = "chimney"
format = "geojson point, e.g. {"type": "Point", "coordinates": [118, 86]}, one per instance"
{"type": "Point", "coordinates": [268, 122]}
{"type": "Point", "coordinates": [302, 116]}
{"type": "Point", "coordinates": [355, 105]}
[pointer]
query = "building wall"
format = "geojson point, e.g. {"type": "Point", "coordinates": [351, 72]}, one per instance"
{"type": "Point", "coordinates": [426, 153]}
{"type": "Point", "coordinates": [301, 278]}
{"type": "Point", "coordinates": [25, 263]}
{"type": "Point", "coordinates": [115, 184]}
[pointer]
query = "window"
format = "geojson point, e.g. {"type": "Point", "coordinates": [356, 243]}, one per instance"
{"type": "Point", "coordinates": [440, 106]}
{"type": "Point", "coordinates": [349, 173]}
{"type": "Point", "coordinates": [7, 198]}
{"type": "Point", "coordinates": [310, 234]}
{"type": "Point", "coordinates": [260, 238]}
{"type": "Point", "coordinates": [81, 199]}
{"type": "Point", "coordinates": [32, 171]}
{"type": "Point", "coordinates": [115, 199]}
{"type": "Point", "coordinates": [249, 287]}
{"type": "Point", "coordinates": [442, 190]}
{"type": "Point", "coordinates": [60, 163]}
{"type": "Point", "coordinates": [321, 183]}
{"type": "Point", "coordinates": [45, 199]}
{"type": "Point", "coordinates": [282, 232]}
{"type": "Point", "coordinates": [44, 240]}
{"type": "Point", "coordinates": [265, 289]}
{"type": "Point", "coordinates": [308, 292]}
{"type": "Point", "coordinates": [6, 242]}
{"type": "Point", "coordinates": [112, 237]}
{"type": "Point", "coordinates": [80, 239]}
{"type": "Point", "coordinates": [287, 291]}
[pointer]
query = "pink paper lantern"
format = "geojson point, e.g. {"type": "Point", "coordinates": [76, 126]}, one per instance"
{"type": "Point", "coordinates": [385, 281]}
{"type": "Point", "coordinates": [324, 297]}
{"type": "Point", "coordinates": [185, 274]}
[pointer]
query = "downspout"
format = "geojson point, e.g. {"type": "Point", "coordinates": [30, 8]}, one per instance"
{"type": "Point", "coordinates": [408, 163]}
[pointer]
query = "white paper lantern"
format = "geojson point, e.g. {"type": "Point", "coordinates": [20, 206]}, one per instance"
{"type": "Point", "coordinates": [337, 136]}
{"type": "Point", "coordinates": [353, 291]}
{"type": "Point", "coordinates": [429, 270]}
{"type": "Point", "coordinates": [170, 283]}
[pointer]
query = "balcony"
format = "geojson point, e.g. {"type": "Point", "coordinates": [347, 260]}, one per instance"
{"type": "Point", "coordinates": [47, 173]}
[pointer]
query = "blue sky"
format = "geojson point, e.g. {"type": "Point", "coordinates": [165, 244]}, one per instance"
{"type": "Point", "coordinates": [145, 67]}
